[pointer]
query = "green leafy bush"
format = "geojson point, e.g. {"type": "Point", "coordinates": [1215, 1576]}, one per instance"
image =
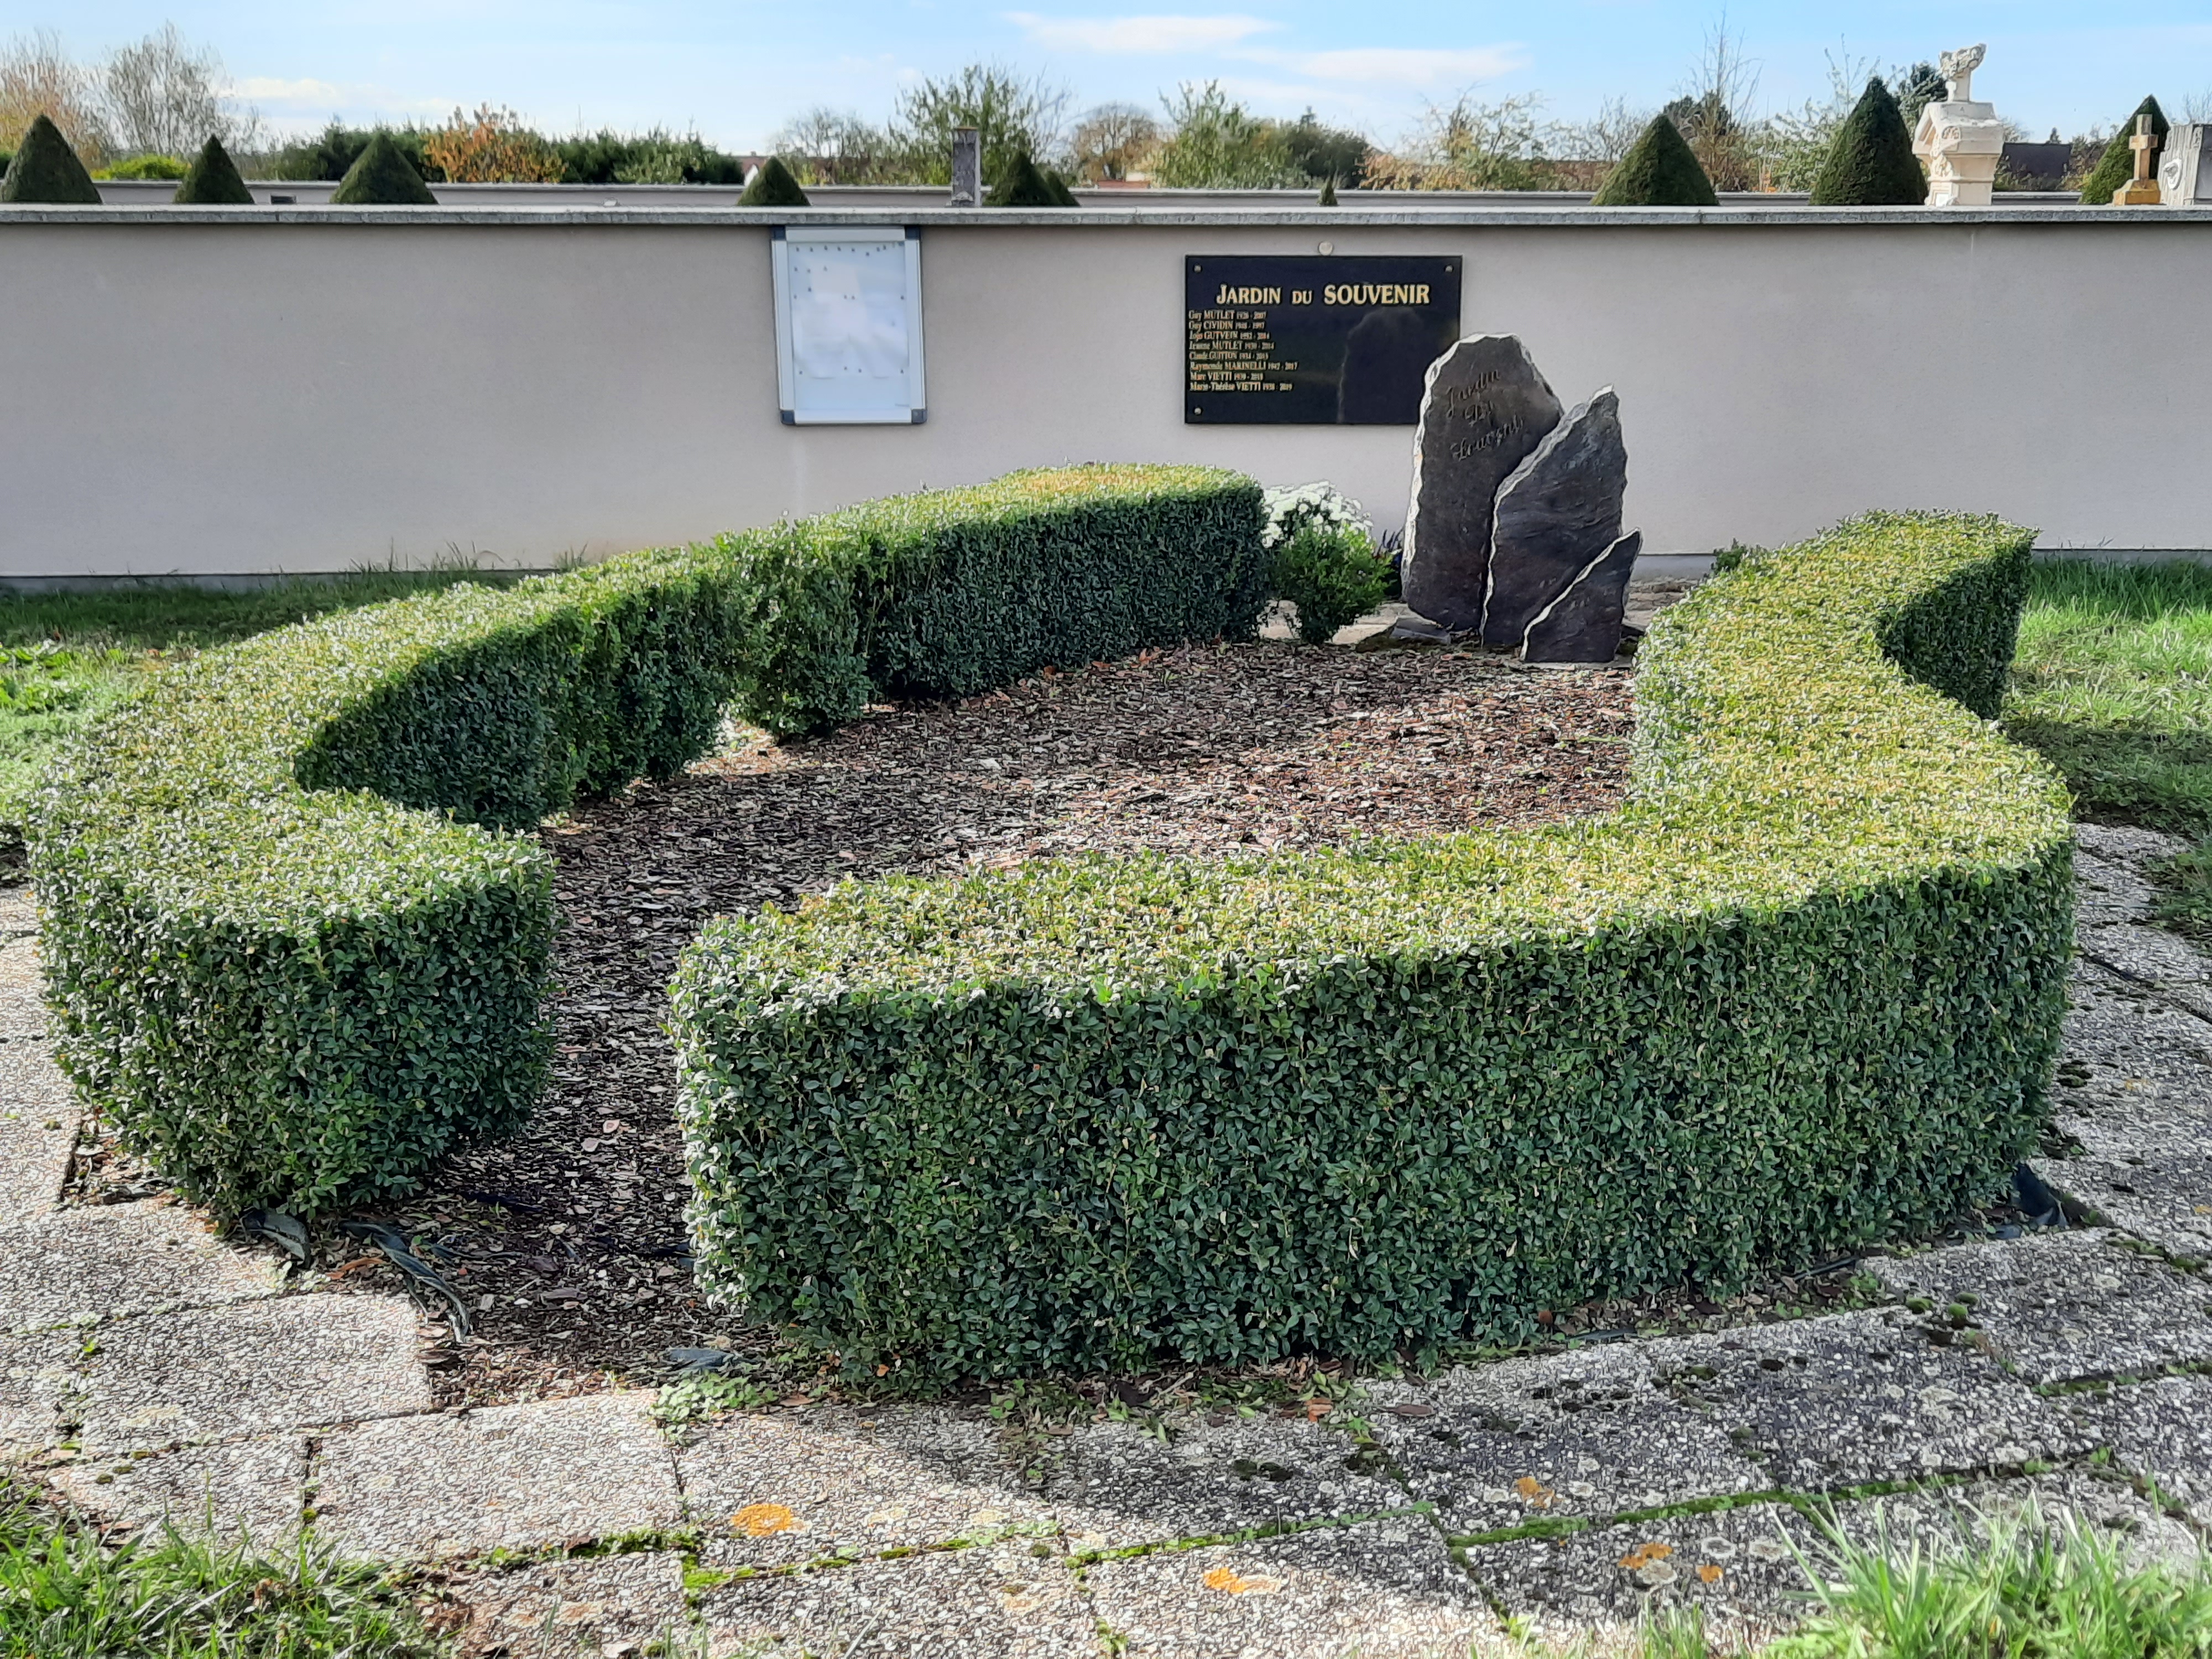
{"type": "Point", "coordinates": [2117, 164]}
{"type": "Point", "coordinates": [1870, 163]}
{"type": "Point", "coordinates": [45, 170]}
{"type": "Point", "coordinates": [1333, 577]}
{"type": "Point", "coordinates": [212, 179]}
{"type": "Point", "coordinates": [773, 186]}
{"type": "Point", "coordinates": [1659, 170]}
{"type": "Point", "coordinates": [288, 940]}
{"type": "Point", "coordinates": [382, 176]}
{"type": "Point", "coordinates": [144, 166]}
{"type": "Point", "coordinates": [1802, 993]}
{"type": "Point", "coordinates": [1021, 185]}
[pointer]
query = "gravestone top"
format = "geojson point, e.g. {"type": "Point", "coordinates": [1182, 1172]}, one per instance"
{"type": "Point", "coordinates": [1484, 409]}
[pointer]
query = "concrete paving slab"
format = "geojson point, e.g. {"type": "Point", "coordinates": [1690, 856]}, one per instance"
{"type": "Point", "coordinates": [79, 1266]}
{"type": "Point", "coordinates": [2064, 1307]}
{"type": "Point", "coordinates": [1576, 1450]}
{"type": "Point", "coordinates": [223, 1373]}
{"type": "Point", "coordinates": [255, 1486]}
{"type": "Point", "coordinates": [1386, 1590]}
{"type": "Point", "coordinates": [19, 910]}
{"type": "Point", "coordinates": [553, 1472]}
{"type": "Point", "coordinates": [998, 1601]}
{"type": "Point", "coordinates": [38, 1118]}
{"type": "Point", "coordinates": [40, 1383]}
{"type": "Point", "coordinates": [599, 1606]}
{"type": "Point", "coordinates": [22, 991]}
{"type": "Point", "coordinates": [780, 1489]}
{"type": "Point", "coordinates": [1114, 1485]}
{"type": "Point", "coordinates": [2107, 892]}
{"type": "Point", "coordinates": [2150, 955]}
{"type": "Point", "coordinates": [1849, 1398]}
{"type": "Point", "coordinates": [2163, 1195]}
{"type": "Point", "coordinates": [2126, 845]}
{"type": "Point", "coordinates": [2159, 1430]}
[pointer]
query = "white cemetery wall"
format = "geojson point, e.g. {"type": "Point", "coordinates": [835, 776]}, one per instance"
{"type": "Point", "coordinates": [248, 390]}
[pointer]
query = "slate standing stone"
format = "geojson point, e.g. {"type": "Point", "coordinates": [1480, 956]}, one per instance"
{"type": "Point", "coordinates": [1583, 623]}
{"type": "Point", "coordinates": [1484, 408]}
{"type": "Point", "coordinates": [1557, 511]}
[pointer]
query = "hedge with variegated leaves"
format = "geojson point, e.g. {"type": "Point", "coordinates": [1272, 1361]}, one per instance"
{"type": "Point", "coordinates": [296, 936]}
{"type": "Point", "coordinates": [1802, 993]}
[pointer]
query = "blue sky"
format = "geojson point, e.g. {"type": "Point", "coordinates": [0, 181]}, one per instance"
{"type": "Point", "coordinates": [738, 70]}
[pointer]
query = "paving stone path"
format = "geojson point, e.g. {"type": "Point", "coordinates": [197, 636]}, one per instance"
{"type": "Point", "coordinates": [147, 1371]}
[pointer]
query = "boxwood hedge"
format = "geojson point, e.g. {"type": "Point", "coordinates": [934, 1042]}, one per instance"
{"type": "Point", "coordinates": [1803, 992]}
{"type": "Point", "coordinates": [292, 940]}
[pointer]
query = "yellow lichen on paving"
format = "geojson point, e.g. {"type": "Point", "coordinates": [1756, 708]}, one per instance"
{"type": "Point", "coordinates": [1229, 1581]}
{"type": "Point", "coordinates": [766, 1520]}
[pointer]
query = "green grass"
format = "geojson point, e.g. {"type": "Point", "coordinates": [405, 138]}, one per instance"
{"type": "Point", "coordinates": [2027, 1587]}
{"type": "Point", "coordinates": [65, 1595]}
{"type": "Point", "coordinates": [66, 657]}
{"type": "Point", "coordinates": [2113, 683]}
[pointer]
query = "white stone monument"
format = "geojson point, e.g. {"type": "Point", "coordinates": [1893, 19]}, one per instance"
{"type": "Point", "coordinates": [2184, 177]}
{"type": "Point", "coordinates": [1959, 140]}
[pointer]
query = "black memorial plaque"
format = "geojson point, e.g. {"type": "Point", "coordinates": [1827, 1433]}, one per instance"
{"type": "Point", "coordinates": [1313, 340]}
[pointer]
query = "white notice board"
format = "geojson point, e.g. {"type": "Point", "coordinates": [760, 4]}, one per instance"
{"type": "Point", "coordinates": [849, 324]}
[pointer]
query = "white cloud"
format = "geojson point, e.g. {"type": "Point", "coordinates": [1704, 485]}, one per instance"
{"type": "Point", "coordinates": [1138, 34]}
{"type": "Point", "coordinates": [1416, 66]}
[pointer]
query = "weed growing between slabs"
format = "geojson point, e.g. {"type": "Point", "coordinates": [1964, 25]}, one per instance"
{"type": "Point", "coordinates": [2029, 1587]}
{"type": "Point", "coordinates": [2113, 685]}
{"type": "Point", "coordinates": [65, 1593]}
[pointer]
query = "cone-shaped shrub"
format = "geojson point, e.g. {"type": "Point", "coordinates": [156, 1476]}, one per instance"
{"type": "Point", "coordinates": [1328, 193]}
{"type": "Point", "coordinates": [1870, 161]}
{"type": "Point", "coordinates": [2117, 164]}
{"type": "Point", "coordinates": [212, 179]}
{"type": "Point", "coordinates": [1658, 170]}
{"type": "Point", "coordinates": [382, 176]}
{"type": "Point", "coordinates": [45, 169]}
{"type": "Point", "coordinates": [773, 185]}
{"type": "Point", "coordinates": [1062, 194]}
{"type": "Point", "coordinates": [1021, 185]}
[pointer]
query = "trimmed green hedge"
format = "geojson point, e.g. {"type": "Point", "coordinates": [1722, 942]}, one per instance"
{"type": "Point", "coordinates": [290, 941]}
{"type": "Point", "coordinates": [1803, 992]}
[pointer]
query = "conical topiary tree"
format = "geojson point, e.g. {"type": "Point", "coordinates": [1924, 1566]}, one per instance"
{"type": "Point", "coordinates": [1327, 197]}
{"type": "Point", "coordinates": [1063, 194]}
{"type": "Point", "coordinates": [2117, 164]}
{"type": "Point", "coordinates": [1870, 161]}
{"type": "Point", "coordinates": [773, 185]}
{"type": "Point", "coordinates": [1658, 170]}
{"type": "Point", "coordinates": [1021, 185]}
{"type": "Point", "coordinates": [45, 169]}
{"type": "Point", "coordinates": [212, 179]}
{"type": "Point", "coordinates": [382, 176]}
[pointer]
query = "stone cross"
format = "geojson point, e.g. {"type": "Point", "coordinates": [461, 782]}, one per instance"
{"type": "Point", "coordinates": [2143, 190]}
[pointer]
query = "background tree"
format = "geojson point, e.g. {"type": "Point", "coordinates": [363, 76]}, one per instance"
{"type": "Point", "coordinates": [1916, 88]}
{"type": "Point", "coordinates": [164, 97]}
{"type": "Point", "coordinates": [826, 146]}
{"type": "Point", "coordinates": [1324, 152]}
{"type": "Point", "coordinates": [1715, 114]}
{"type": "Point", "coordinates": [1014, 115]}
{"type": "Point", "coordinates": [491, 147]}
{"type": "Point", "coordinates": [1469, 146]}
{"type": "Point", "coordinates": [1112, 141]}
{"type": "Point", "coordinates": [37, 77]}
{"type": "Point", "coordinates": [1214, 142]}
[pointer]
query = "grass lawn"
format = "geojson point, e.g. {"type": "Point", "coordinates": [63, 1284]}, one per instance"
{"type": "Point", "coordinates": [2113, 683]}
{"type": "Point", "coordinates": [66, 1594]}
{"type": "Point", "coordinates": [65, 657]}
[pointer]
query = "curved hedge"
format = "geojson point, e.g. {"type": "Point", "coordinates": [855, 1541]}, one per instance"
{"type": "Point", "coordinates": [290, 938]}
{"type": "Point", "coordinates": [1803, 992]}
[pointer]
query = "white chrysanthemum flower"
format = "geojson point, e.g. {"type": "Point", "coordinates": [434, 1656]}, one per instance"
{"type": "Point", "coordinates": [1291, 508]}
